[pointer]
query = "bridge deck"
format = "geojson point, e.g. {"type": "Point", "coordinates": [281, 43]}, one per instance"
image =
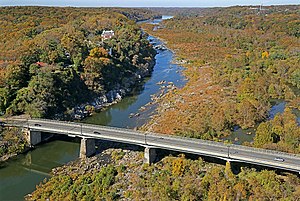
{"type": "Point", "coordinates": [240, 153]}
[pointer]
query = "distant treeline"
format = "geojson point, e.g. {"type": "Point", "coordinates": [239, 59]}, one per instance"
{"type": "Point", "coordinates": [200, 11]}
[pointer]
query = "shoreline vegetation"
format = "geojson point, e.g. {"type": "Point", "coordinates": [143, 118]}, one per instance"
{"type": "Point", "coordinates": [236, 61]}
{"type": "Point", "coordinates": [12, 143]}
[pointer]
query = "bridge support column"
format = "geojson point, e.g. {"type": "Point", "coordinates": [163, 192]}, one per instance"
{"type": "Point", "coordinates": [149, 155]}
{"type": "Point", "coordinates": [87, 147]}
{"type": "Point", "coordinates": [33, 137]}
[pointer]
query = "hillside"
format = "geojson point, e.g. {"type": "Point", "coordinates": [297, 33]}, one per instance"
{"type": "Point", "coordinates": [53, 59]}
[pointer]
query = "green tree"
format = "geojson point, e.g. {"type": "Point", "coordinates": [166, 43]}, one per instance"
{"type": "Point", "coordinates": [4, 93]}
{"type": "Point", "coordinates": [263, 134]}
{"type": "Point", "coordinates": [38, 99]}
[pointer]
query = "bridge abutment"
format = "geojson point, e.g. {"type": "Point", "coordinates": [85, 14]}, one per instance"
{"type": "Point", "coordinates": [33, 137]}
{"type": "Point", "coordinates": [149, 155]}
{"type": "Point", "coordinates": [87, 147]}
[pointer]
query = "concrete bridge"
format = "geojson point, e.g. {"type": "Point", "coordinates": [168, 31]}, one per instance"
{"type": "Point", "coordinates": [153, 141]}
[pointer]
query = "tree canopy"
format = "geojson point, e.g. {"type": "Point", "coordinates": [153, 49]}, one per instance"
{"type": "Point", "coordinates": [54, 58]}
{"type": "Point", "coordinates": [237, 60]}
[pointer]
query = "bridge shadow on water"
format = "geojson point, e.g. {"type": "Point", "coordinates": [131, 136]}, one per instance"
{"type": "Point", "coordinates": [48, 137]}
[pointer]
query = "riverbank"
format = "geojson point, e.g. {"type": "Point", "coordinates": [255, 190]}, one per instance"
{"type": "Point", "coordinates": [12, 143]}
{"type": "Point", "coordinates": [113, 96]}
{"type": "Point", "coordinates": [117, 91]}
{"type": "Point", "coordinates": [134, 110]}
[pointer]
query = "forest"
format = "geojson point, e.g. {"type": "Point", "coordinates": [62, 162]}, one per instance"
{"type": "Point", "coordinates": [172, 178]}
{"type": "Point", "coordinates": [52, 59]}
{"type": "Point", "coordinates": [238, 60]}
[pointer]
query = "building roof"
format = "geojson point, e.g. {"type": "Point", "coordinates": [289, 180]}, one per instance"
{"type": "Point", "coordinates": [107, 34]}
{"type": "Point", "coordinates": [41, 64]}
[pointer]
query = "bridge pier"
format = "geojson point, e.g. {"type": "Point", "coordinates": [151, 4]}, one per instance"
{"type": "Point", "coordinates": [87, 147]}
{"type": "Point", "coordinates": [33, 137]}
{"type": "Point", "coordinates": [149, 155]}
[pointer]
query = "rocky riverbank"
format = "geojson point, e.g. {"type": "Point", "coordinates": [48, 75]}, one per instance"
{"type": "Point", "coordinates": [110, 158]}
{"type": "Point", "coordinates": [16, 145]}
{"type": "Point", "coordinates": [113, 96]}
{"type": "Point", "coordinates": [12, 143]}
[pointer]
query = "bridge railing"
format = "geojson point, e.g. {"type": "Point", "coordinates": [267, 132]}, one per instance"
{"type": "Point", "coordinates": [13, 122]}
{"type": "Point", "coordinates": [240, 147]}
{"type": "Point", "coordinates": [275, 152]}
{"type": "Point", "coordinates": [128, 131]}
{"type": "Point", "coordinates": [77, 124]}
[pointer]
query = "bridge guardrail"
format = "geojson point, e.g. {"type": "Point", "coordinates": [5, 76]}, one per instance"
{"type": "Point", "coordinates": [220, 144]}
{"type": "Point", "coordinates": [83, 124]}
{"type": "Point", "coordinates": [130, 131]}
{"type": "Point", "coordinates": [254, 149]}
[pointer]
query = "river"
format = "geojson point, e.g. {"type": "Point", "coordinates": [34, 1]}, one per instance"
{"type": "Point", "coordinates": [20, 175]}
{"type": "Point", "coordinates": [239, 135]}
